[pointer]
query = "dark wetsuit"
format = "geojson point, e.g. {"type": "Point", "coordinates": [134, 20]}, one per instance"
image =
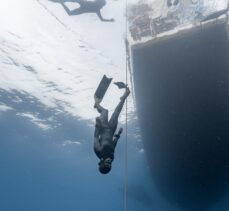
{"type": "Point", "coordinates": [104, 146]}
{"type": "Point", "coordinates": [88, 7]}
{"type": "Point", "coordinates": [105, 139]}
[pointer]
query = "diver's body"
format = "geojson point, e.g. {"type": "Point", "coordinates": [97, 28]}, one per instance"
{"type": "Point", "coordinates": [86, 7]}
{"type": "Point", "coordinates": [105, 139]}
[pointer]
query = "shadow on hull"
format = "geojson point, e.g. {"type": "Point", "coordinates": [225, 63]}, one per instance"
{"type": "Point", "coordinates": [182, 94]}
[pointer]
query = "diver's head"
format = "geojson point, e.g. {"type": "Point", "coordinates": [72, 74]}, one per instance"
{"type": "Point", "coordinates": [105, 165]}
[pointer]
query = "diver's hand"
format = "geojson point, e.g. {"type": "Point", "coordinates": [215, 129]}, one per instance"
{"type": "Point", "coordinates": [127, 92]}
{"type": "Point", "coordinates": [120, 131]}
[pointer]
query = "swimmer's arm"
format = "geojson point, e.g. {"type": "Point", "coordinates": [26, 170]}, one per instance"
{"type": "Point", "coordinates": [117, 136]}
{"type": "Point", "coordinates": [97, 145]}
{"type": "Point", "coordinates": [103, 19]}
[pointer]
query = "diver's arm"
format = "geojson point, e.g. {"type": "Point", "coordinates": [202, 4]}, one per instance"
{"type": "Point", "coordinates": [103, 19]}
{"type": "Point", "coordinates": [116, 137]}
{"type": "Point", "coordinates": [96, 138]}
{"type": "Point", "coordinates": [97, 144]}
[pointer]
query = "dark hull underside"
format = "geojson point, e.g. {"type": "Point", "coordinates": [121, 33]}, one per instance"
{"type": "Point", "coordinates": [182, 95]}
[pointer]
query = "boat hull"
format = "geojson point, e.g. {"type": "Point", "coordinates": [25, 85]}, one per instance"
{"type": "Point", "coordinates": [182, 99]}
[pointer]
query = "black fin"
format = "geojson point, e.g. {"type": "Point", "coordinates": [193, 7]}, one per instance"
{"type": "Point", "coordinates": [102, 88]}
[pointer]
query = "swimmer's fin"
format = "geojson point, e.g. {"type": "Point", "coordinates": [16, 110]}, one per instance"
{"type": "Point", "coordinates": [102, 88]}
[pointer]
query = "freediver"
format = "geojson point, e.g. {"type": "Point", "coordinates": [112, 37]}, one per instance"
{"type": "Point", "coordinates": [105, 139]}
{"type": "Point", "coordinates": [85, 7]}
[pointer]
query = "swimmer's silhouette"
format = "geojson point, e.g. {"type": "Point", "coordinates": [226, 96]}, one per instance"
{"type": "Point", "coordinates": [105, 139]}
{"type": "Point", "coordinates": [85, 7]}
{"type": "Point", "coordinates": [171, 3]}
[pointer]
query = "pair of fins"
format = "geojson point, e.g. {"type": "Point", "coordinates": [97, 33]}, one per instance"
{"type": "Point", "coordinates": [103, 86]}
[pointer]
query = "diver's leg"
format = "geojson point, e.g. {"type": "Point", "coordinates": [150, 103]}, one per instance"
{"type": "Point", "coordinates": [99, 108]}
{"type": "Point", "coordinates": [77, 11]}
{"type": "Point", "coordinates": [103, 112]}
{"type": "Point", "coordinates": [113, 122]}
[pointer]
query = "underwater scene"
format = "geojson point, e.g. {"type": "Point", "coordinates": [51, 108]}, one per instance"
{"type": "Point", "coordinates": [114, 105]}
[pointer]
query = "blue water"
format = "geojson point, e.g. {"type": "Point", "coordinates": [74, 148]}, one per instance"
{"type": "Point", "coordinates": [41, 171]}
{"type": "Point", "coordinates": [48, 163]}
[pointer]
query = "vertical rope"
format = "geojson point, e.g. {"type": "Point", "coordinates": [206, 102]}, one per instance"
{"type": "Point", "coordinates": [126, 158]}
{"type": "Point", "coordinates": [126, 161]}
